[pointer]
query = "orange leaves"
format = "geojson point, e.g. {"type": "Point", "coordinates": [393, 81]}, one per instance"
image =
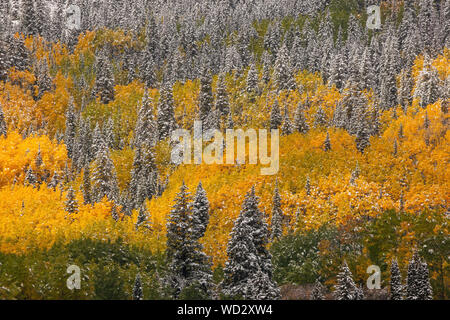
{"type": "Point", "coordinates": [51, 108]}
{"type": "Point", "coordinates": [22, 111]}
{"type": "Point", "coordinates": [18, 106]}
{"type": "Point", "coordinates": [24, 78]}
{"type": "Point", "coordinates": [31, 217]}
{"type": "Point", "coordinates": [16, 155]}
{"type": "Point", "coordinates": [185, 99]}
{"type": "Point", "coordinates": [441, 63]}
{"type": "Point", "coordinates": [36, 218]}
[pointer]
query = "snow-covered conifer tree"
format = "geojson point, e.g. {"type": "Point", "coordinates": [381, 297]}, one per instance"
{"type": "Point", "coordinates": [346, 288]}
{"type": "Point", "coordinates": [71, 204]}
{"type": "Point", "coordinates": [428, 85]}
{"type": "Point", "coordinates": [222, 104]}
{"type": "Point", "coordinates": [396, 292]}
{"type": "Point", "coordinates": [3, 128]}
{"type": "Point", "coordinates": [188, 264]}
{"type": "Point", "coordinates": [200, 212]}
{"type": "Point", "coordinates": [137, 288]}
{"type": "Point", "coordinates": [300, 124]}
{"type": "Point", "coordinates": [205, 97]}
{"type": "Point", "coordinates": [275, 116]}
{"type": "Point", "coordinates": [143, 218]}
{"type": "Point", "coordinates": [104, 82]}
{"type": "Point", "coordinates": [327, 143]}
{"type": "Point", "coordinates": [247, 252]}
{"type": "Point", "coordinates": [277, 215]}
{"type": "Point", "coordinates": [318, 291]}
{"type": "Point", "coordinates": [166, 118]}
{"type": "Point", "coordinates": [71, 127]}
{"type": "Point", "coordinates": [104, 179]}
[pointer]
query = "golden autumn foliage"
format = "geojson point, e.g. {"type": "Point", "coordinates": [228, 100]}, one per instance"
{"type": "Point", "coordinates": [416, 173]}
{"type": "Point", "coordinates": [38, 220]}
{"type": "Point", "coordinates": [332, 197]}
{"type": "Point", "coordinates": [18, 154]}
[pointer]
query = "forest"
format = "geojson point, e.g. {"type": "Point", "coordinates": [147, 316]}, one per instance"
{"type": "Point", "coordinates": [91, 92]}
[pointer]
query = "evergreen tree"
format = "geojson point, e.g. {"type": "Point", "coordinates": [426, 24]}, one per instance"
{"type": "Point", "coordinates": [205, 97]}
{"type": "Point", "coordinates": [54, 181]}
{"type": "Point", "coordinates": [408, 22]}
{"type": "Point", "coordinates": [396, 282]}
{"type": "Point", "coordinates": [84, 143]}
{"type": "Point", "coordinates": [318, 291]}
{"type": "Point", "coordinates": [362, 138]}
{"type": "Point", "coordinates": [87, 194]}
{"type": "Point", "coordinates": [145, 125]}
{"type": "Point", "coordinates": [445, 22]}
{"type": "Point", "coordinates": [29, 18]}
{"type": "Point", "coordinates": [428, 85]}
{"type": "Point", "coordinates": [43, 81]}
{"type": "Point", "coordinates": [179, 245]}
{"type": "Point", "coordinates": [230, 123]}
{"type": "Point", "coordinates": [282, 70]}
{"type": "Point", "coordinates": [148, 68]}
{"type": "Point", "coordinates": [38, 159]}
{"type": "Point", "coordinates": [144, 176]}
{"type": "Point", "coordinates": [137, 289]}
{"type": "Point", "coordinates": [222, 104]}
{"type": "Point", "coordinates": [109, 133]}
{"type": "Point", "coordinates": [266, 61]}
{"type": "Point", "coordinates": [425, 18]}
{"type": "Point", "coordinates": [300, 124]}
{"type": "Point", "coordinates": [187, 262]}
{"type": "Point", "coordinates": [104, 82]}
{"type": "Point", "coordinates": [136, 172]}
{"type": "Point", "coordinates": [4, 62]}
{"type": "Point", "coordinates": [97, 139]}
{"type": "Point", "coordinates": [366, 71]}
{"type": "Point", "coordinates": [412, 280]}
{"type": "Point", "coordinates": [425, 292]}
{"type": "Point", "coordinates": [242, 261]}
{"type": "Point", "coordinates": [252, 79]}
{"type": "Point", "coordinates": [71, 127]}
{"type": "Point", "coordinates": [261, 287]}
{"type": "Point", "coordinates": [129, 65]}
{"type": "Point", "coordinates": [21, 55]}
{"type": "Point", "coordinates": [359, 293]}
{"type": "Point", "coordinates": [277, 215]}
{"type": "Point", "coordinates": [114, 212]}
{"type": "Point", "coordinates": [200, 212]}
{"type": "Point", "coordinates": [272, 38]}
{"type": "Point", "coordinates": [71, 203]}
{"type": "Point", "coordinates": [388, 77]}
{"type": "Point", "coordinates": [308, 186]}
{"type": "Point", "coordinates": [320, 118]}
{"type": "Point", "coordinates": [30, 178]}
{"type": "Point", "coordinates": [346, 288]}
{"type": "Point", "coordinates": [355, 174]}
{"type": "Point", "coordinates": [404, 97]}
{"type": "Point", "coordinates": [166, 117]}
{"type": "Point", "coordinates": [287, 127]}
{"type": "Point", "coordinates": [337, 71]}
{"type": "Point", "coordinates": [394, 153]}
{"type": "Point", "coordinates": [275, 116]}
{"type": "Point", "coordinates": [247, 252]}
{"type": "Point", "coordinates": [418, 283]}
{"type": "Point", "coordinates": [3, 127]}
{"type": "Point", "coordinates": [327, 143]}
{"type": "Point", "coordinates": [104, 179]}
{"type": "Point", "coordinates": [143, 218]}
